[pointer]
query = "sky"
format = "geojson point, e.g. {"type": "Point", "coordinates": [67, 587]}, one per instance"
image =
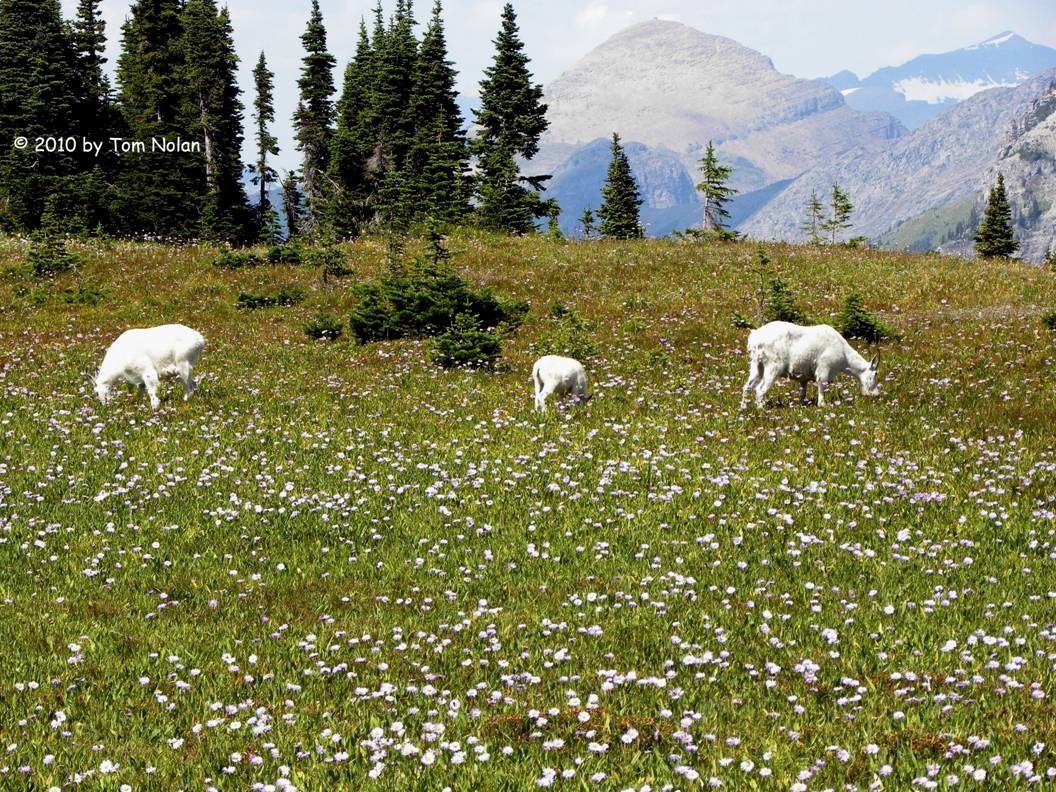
{"type": "Point", "coordinates": [805, 38]}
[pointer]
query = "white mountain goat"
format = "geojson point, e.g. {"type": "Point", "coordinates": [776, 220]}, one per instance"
{"type": "Point", "coordinates": [805, 354]}
{"type": "Point", "coordinates": [560, 375]}
{"type": "Point", "coordinates": [145, 356]}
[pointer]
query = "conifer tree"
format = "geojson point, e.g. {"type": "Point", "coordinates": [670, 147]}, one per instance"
{"type": "Point", "coordinates": [619, 210]}
{"type": "Point", "coordinates": [717, 193]}
{"type": "Point", "coordinates": [158, 192]}
{"type": "Point", "coordinates": [815, 218]}
{"type": "Point", "coordinates": [512, 118]}
{"type": "Point", "coordinates": [841, 207]}
{"type": "Point", "coordinates": [995, 237]}
{"type": "Point", "coordinates": [267, 146]}
{"type": "Point", "coordinates": [101, 120]}
{"type": "Point", "coordinates": [292, 203]}
{"type": "Point", "coordinates": [439, 156]}
{"type": "Point", "coordinates": [41, 94]}
{"type": "Point", "coordinates": [211, 71]}
{"type": "Point", "coordinates": [313, 121]}
{"type": "Point", "coordinates": [395, 62]}
{"type": "Point", "coordinates": [353, 144]}
{"type": "Point", "coordinates": [586, 222]}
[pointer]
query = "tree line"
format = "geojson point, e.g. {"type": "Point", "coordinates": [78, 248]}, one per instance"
{"type": "Point", "coordinates": [388, 149]}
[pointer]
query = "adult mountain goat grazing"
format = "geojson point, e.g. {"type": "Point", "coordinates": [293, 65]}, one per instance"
{"type": "Point", "coordinates": [560, 375]}
{"type": "Point", "coordinates": [805, 354]}
{"type": "Point", "coordinates": [145, 356]}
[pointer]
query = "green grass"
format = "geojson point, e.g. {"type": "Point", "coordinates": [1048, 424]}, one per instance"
{"type": "Point", "coordinates": [332, 539]}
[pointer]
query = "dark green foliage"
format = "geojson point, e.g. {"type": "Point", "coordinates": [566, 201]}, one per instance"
{"type": "Point", "coordinates": [423, 299]}
{"type": "Point", "coordinates": [48, 256]}
{"type": "Point", "coordinates": [84, 294]}
{"type": "Point", "coordinates": [41, 94]}
{"type": "Point", "coordinates": [216, 118]}
{"type": "Point", "coordinates": [619, 210]}
{"type": "Point", "coordinates": [438, 159]}
{"type": "Point", "coordinates": [283, 254]}
{"type": "Point", "coordinates": [158, 193]}
{"type": "Point", "coordinates": [855, 321]}
{"type": "Point", "coordinates": [100, 117]}
{"type": "Point", "coordinates": [237, 259]}
{"type": "Point", "coordinates": [1048, 319]}
{"type": "Point", "coordinates": [292, 204]}
{"type": "Point", "coordinates": [284, 298]}
{"type": "Point", "coordinates": [511, 119]}
{"type": "Point", "coordinates": [313, 120]}
{"type": "Point", "coordinates": [553, 228]}
{"type": "Point", "coordinates": [568, 335]}
{"type": "Point", "coordinates": [741, 321]}
{"type": "Point", "coordinates": [841, 208]}
{"type": "Point", "coordinates": [466, 345]}
{"type": "Point", "coordinates": [780, 304]}
{"type": "Point", "coordinates": [994, 237]}
{"type": "Point", "coordinates": [717, 193]}
{"type": "Point", "coordinates": [267, 146]}
{"type": "Point", "coordinates": [1050, 259]}
{"type": "Point", "coordinates": [324, 327]}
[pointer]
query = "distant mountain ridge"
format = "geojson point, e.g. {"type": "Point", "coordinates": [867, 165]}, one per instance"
{"type": "Point", "coordinates": [672, 88]}
{"type": "Point", "coordinates": [924, 87]}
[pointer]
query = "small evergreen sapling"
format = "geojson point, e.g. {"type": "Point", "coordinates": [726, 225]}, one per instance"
{"type": "Point", "coordinates": [855, 321]}
{"type": "Point", "coordinates": [995, 238]}
{"type": "Point", "coordinates": [619, 211]}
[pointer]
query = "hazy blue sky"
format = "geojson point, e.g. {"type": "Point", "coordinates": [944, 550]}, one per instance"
{"type": "Point", "coordinates": [807, 38]}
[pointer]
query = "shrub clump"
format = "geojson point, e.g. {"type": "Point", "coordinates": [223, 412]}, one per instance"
{"type": "Point", "coordinates": [237, 259]}
{"type": "Point", "coordinates": [779, 304]}
{"type": "Point", "coordinates": [324, 327]}
{"type": "Point", "coordinates": [855, 321]}
{"type": "Point", "coordinates": [1049, 320]}
{"type": "Point", "coordinates": [48, 256]}
{"type": "Point", "coordinates": [284, 298]}
{"type": "Point", "coordinates": [424, 302]}
{"type": "Point", "coordinates": [570, 335]}
{"type": "Point", "coordinates": [466, 345]}
{"type": "Point", "coordinates": [86, 294]}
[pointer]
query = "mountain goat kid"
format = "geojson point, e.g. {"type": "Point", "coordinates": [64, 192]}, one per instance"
{"type": "Point", "coordinates": [144, 356]}
{"type": "Point", "coordinates": [805, 354]}
{"type": "Point", "coordinates": [560, 375]}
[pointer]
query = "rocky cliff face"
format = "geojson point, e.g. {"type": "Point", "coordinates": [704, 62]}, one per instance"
{"type": "Point", "coordinates": [949, 159]}
{"type": "Point", "coordinates": [1028, 163]}
{"type": "Point", "coordinates": [667, 85]}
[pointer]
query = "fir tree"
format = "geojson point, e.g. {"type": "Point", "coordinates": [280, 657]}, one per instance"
{"type": "Point", "coordinates": [586, 222]}
{"type": "Point", "coordinates": [994, 237]}
{"type": "Point", "coordinates": [553, 227]}
{"type": "Point", "coordinates": [292, 203]}
{"type": "Point", "coordinates": [439, 156]}
{"type": "Point", "coordinates": [41, 94]}
{"type": "Point", "coordinates": [314, 118]}
{"type": "Point", "coordinates": [354, 143]}
{"type": "Point", "coordinates": [512, 118]}
{"type": "Point", "coordinates": [396, 57]}
{"type": "Point", "coordinates": [157, 193]}
{"type": "Point", "coordinates": [267, 146]}
{"type": "Point", "coordinates": [841, 207]}
{"type": "Point", "coordinates": [101, 118]}
{"type": "Point", "coordinates": [211, 71]}
{"type": "Point", "coordinates": [717, 193]}
{"type": "Point", "coordinates": [815, 218]}
{"type": "Point", "coordinates": [619, 210]}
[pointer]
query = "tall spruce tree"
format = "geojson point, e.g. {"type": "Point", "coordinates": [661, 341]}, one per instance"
{"type": "Point", "coordinates": [815, 218]}
{"type": "Point", "coordinates": [396, 59]}
{"type": "Point", "coordinates": [216, 110]}
{"type": "Point", "coordinates": [314, 119]}
{"type": "Point", "coordinates": [512, 118]}
{"type": "Point", "coordinates": [439, 157]}
{"type": "Point", "coordinates": [353, 144]}
{"type": "Point", "coordinates": [717, 193]}
{"type": "Point", "coordinates": [292, 203]}
{"type": "Point", "coordinates": [619, 209]}
{"type": "Point", "coordinates": [264, 175]}
{"type": "Point", "coordinates": [89, 36]}
{"type": "Point", "coordinates": [995, 237]}
{"type": "Point", "coordinates": [841, 207]}
{"type": "Point", "coordinates": [158, 192]}
{"type": "Point", "coordinates": [41, 94]}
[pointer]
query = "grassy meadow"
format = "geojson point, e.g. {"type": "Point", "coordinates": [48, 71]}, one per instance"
{"type": "Point", "coordinates": [339, 567]}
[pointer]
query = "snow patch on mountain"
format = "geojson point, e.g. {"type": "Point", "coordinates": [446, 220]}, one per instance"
{"type": "Point", "coordinates": [922, 89]}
